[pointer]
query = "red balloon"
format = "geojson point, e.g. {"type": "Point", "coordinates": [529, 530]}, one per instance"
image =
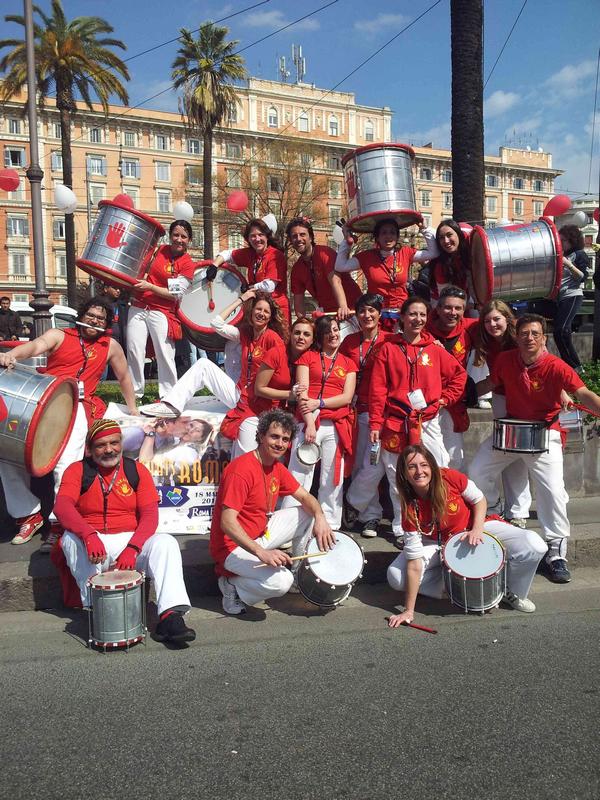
{"type": "Point", "coordinates": [9, 180]}
{"type": "Point", "coordinates": [557, 205]}
{"type": "Point", "coordinates": [124, 200]}
{"type": "Point", "coordinates": [596, 214]}
{"type": "Point", "coordinates": [237, 201]}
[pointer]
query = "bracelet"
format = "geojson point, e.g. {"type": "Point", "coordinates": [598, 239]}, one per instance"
{"type": "Point", "coordinates": [134, 547]}
{"type": "Point", "coordinates": [321, 403]}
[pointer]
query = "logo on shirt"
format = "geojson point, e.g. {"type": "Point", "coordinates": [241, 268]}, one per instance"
{"type": "Point", "coordinates": [274, 487]}
{"type": "Point", "coordinates": [458, 347]}
{"type": "Point", "coordinates": [453, 506]}
{"type": "Point", "coordinates": [340, 372]}
{"type": "Point", "coordinates": [392, 444]}
{"type": "Point", "coordinates": [123, 488]}
{"type": "Point", "coordinates": [257, 352]}
{"type": "Point", "coordinates": [90, 354]}
{"type": "Point", "coordinates": [536, 385]}
{"type": "Point", "coordinates": [169, 268]}
{"type": "Point", "coordinates": [426, 360]}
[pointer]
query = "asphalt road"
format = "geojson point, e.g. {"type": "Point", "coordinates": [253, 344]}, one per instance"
{"type": "Point", "coordinates": [292, 703]}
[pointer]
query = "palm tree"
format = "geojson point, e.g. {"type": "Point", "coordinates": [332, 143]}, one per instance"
{"type": "Point", "coordinates": [467, 110]}
{"type": "Point", "coordinates": [72, 58]}
{"type": "Point", "coordinates": [206, 69]}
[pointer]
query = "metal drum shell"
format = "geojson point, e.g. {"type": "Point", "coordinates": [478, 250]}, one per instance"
{"type": "Point", "coordinates": [472, 593]}
{"type": "Point", "coordinates": [204, 336]}
{"type": "Point", "coordinates": [328, 593]}
{"type": "Point", "coordinates": [379, 184]}
{"type": "Point", "coordinates": [520, 436]}
{"type": "Point", "coordinates": [516, 262]}
{"type": "Point", "coordinates": [308, 453]}
{"type": "Point", "coordinates": [117, 609]}
{"type": "Point", "coordinates": [121, 266]}
{"type": "Point", "coordinates": [571, 422]}
{"type": "Point", "coordinates": [28, 396]}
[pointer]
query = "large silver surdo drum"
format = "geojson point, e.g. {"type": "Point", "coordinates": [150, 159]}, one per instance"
{"type": "Point", "coordinates": [379, 183]}
{"type": "Point", "coordinates": [205, 300]}
{"type": "Point", "coordinates": [41, 414]}
{"type": "Point", "coordinates": [118, 609]}
{"type": "Point", "coordinates": [516, 262]}
{"type": "Point", "coordinates": [121, 245]}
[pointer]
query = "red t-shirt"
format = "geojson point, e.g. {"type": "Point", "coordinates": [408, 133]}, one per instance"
{"type": "Point", "coordinates": [362, 355]}
{"type": "Point", "coordinates": [76, 353]}
{"type": "Point", "coordinates": [533, 393]}
{"type": "Point", "coordinates": [272, 266]}
{"type": "Point", "coordinates": [443, 274]}
{"type": "Point", "coordinates": [276, 359]}
{"type": "Point", "coordinates": [335, 373]}
{"type": "Point", "coordinates": [123, 501]}
{"type": "Point", "coordinates": [457, 517]}
{"type": "Point", "coordinates": [253, 352]}
{"type": "Point", "coordinates": [163, 267]}
{"type": "Point", "coordinates": [387, 277]}
{"type": "Point", "coordinates": [313, 277]}
{"type": "Point", "coordinates": [251, 489]}
{"type": "Point", "coordinates": [459, 341]}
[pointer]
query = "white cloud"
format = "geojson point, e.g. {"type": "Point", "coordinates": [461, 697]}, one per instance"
{"type": "Point", "coordinates": [572, 79]}
{"type": "Point", "coordinates": [438, 135]}
{"type": "Point", "coordinates": [272, 20]}
{"type": "Point", "coordinates": [500, 102]}
{"type": "Point", "coordinates": [382, 23]}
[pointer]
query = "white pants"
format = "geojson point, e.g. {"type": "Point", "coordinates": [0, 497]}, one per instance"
{"type": "Point", "coordinates": [75, 446]}
{"type": "Point", "coordinates": [515, 479]}
{"type": "Point", "coordinates": [524, 551]}
{"type": "Point", "coordinates": [453, 441]}
{"type": "Point", "coordinates": [330, 494]}
{"type": "Point", "coordinates": [142, 322]}
{"type": "Point", "coordinates": [546, 472]}
{"type": "Point", "coordinates": [160, 559]}
{"type": "Point", "coordinates": [204, 374]}
{"type": "Point", "coordinates": [363, 492]}
{"type": "Point", "coordinates": [246, 438]}
{"type": "Point", "coordinates": [256, 584]}
{"type": "Point", "coordinates": [431, 438]}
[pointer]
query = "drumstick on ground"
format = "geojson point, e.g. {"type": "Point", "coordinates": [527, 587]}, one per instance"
{"type": "Point", "coordinates": [298, 558]}
{"type": "Point", "coordinates": [419, 627]}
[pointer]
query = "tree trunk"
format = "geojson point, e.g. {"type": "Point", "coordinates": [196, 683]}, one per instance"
{"type": "Point", "coordinates": [207, 200]}
{"type": "Point", "coordinates": [67, 165]}
{"type": "Point", "coordinates": [467, 110]}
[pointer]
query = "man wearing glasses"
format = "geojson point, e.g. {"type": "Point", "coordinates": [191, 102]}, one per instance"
{"type": "Point", "coordinates": [533, 379]}
{"type": "Point", "coordinates": [81, 353]}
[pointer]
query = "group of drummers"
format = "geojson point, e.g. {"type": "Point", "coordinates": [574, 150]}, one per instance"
{"type": "Point", "coordinates": [374, 385]}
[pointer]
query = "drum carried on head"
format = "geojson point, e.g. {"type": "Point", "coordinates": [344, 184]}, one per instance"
{"type": "Point", "coordinates": [117, 609]}
{"type": "Point", "coordinates": [41, 414]}
{"type": "Point", "coordinates": [327, 580]}
{"type": "Point", "coordinates": [204, 301]}
{"type": "Point", "coordinates": [379, 184]}
{"type": "Point", "coordinates": [121, 245]}
{"type": "Point", "coordinates": [474, 577]}
{"type": "Point", "coordinates": [516, 262]}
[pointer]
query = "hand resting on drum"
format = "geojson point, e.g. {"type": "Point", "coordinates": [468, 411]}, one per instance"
{"type": "Point", "coordinates": [7, 360]}
{"type": "Point", "coordinates": [473, 537]}
{"type": "Point", "coordinates": [126, 558]}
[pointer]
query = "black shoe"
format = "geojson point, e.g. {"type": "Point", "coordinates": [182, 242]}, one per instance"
{"type": "Point", "coordinates": [349, 516]}
{"type": "Point", "coordinates": [370, 529]}
{"type": "Point", "coordinates": [174, 629]}
{"type": "Point", "coordinates": [556, 570]}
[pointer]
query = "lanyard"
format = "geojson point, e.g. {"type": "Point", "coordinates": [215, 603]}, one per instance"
{"type": "Point", "coordinates": [311, 269]}
{"type": "Point", "coordinates": [411, 363]}
{"type": "Point", "coordinates": [256, 267]}
{"type": "Point", "coordinates": [85, 355]}
{"type": "Point", "coordinates": [392, 273]}
{"type": "Point", "coordinates": [324, 374]}
{"type": "Point", "coordinates": [249, 358]}
{"type": "Point", "coordinates": [270, 506]}
{"type": "Point", "coordinates": [106, 490]}
{"type": "Point", "coordinates": [362, 360]}
{"type": "Point", "coordinates": [431, 529]}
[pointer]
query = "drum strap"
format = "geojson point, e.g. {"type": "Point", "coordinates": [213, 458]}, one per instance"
{"type": "Point", "coordinates": [90, 473]}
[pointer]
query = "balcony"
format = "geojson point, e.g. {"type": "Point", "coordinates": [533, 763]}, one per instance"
{"type": "Point", "coordinates": [14, 277]}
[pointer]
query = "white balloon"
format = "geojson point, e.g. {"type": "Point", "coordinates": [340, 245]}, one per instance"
{"type": "Point", "coordinates": [580, 219]}
{"type": "Point", "coordinates": [183, 210]}
{"type": "Point", "coordinates": [71, 209]}
{"type": "Point", "coordinates": [271, 221]}
{"type": "Point", "coordinates": [337, 235]}
{"type": "Point", "coordinates": [64, 197]}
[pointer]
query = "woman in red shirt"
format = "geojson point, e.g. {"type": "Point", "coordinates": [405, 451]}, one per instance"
{"type": "Point", "coordinates": [436, 504]}
{"type": "Point", "coordinates": [276, 378]}
{"type": "Point", "coordinates": [325, 410]}
{"type": "Point", "coordinates": [266, 265]}
{"type": "Point", "coordinates": [452, 265]}
{"type": "Point", "coordinates": [153, 310]}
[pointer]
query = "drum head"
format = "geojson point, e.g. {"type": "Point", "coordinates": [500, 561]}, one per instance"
{"type": "Point", "coordinates": [482, 265]}
{"type": "Point", "coordinates": [116, 279]}
{"type": "Point", "coordinates": [405, 217]}
{"type": "Point", "coordinates": [116, 579]}
{"type": "Point", "coordinates": [341, 565]}
{"type": "Point", "coordinates": [308, 453]}
{"type": "Point", "coordinates": [474, 562]}
{"type": "Point", "coordinates": [196, 309]}
{"type": "Point", "coordinates": [50, 427]}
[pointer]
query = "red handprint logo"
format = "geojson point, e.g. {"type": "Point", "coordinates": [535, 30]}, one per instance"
{"type": "Point", "coordinates": [114, 236]}
{"type": "Point", "coordinates": [350, 185]}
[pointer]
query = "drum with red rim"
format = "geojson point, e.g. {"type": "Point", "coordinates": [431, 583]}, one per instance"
{"type": "Point", "coordinates": [121, 245]}
{"type": "Point", "coordinates": [205, 300]}
{"type": "Point", "coordinates": [41, 412]}
{"type": "Point", "coordinates": [117, 609]}
{"type": "Point", "coordinates": [474, 576]}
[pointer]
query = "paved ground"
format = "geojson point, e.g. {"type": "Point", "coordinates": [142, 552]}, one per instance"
{"type": "Point", "coordinates": [294, 703]}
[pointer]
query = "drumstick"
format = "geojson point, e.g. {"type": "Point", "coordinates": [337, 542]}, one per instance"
{"type": "Point", "coordinates": [297, 558]}
{"type": "Point", "coordinates": [93, 327]}
{"type": "Point", "coordinates": [583, 408]}
{"type": "Point", "coordinates": [317, 314]}
{"type": "Point", "coordinates": [419, 627]}
{"type": "Point", "coordinates": [211, 304]}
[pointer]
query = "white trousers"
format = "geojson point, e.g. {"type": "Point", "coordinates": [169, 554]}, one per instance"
{"type": "Point", "coordinates": [330, 494]}
{"type": "Point", "coordinates": [524, 551]}
{"type": "Point", "coordinates": [256, 584]}
{"type": "Point", "coordinates": [453, 441]}
{"type": "Point", "coordinates": [363, 492]}
{"type": "Point", "coordinates": [160, 559]}
{"type": "Point", "coordinates": [141, 323]}
{"type": "Point", "coordinates": [204, 374]}
{"type": "Point", "coordinates": [75, 446]}
{"type": "Point", "coordinates": [246, 438]}
{"type": "Point", "coordinates": [515, 479]}
{"type": "Point", "coordinates": [546, 472]}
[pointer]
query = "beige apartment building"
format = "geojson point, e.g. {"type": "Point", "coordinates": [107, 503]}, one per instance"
{"type": "Point", "coordinates": [283, 145]}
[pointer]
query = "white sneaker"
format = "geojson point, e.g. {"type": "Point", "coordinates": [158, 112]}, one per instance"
{"type": "Point", "coordinates": [519, 522]}
{"type": "Point", "coordinates": [231, 602]}
{"type": "Point", "coordinates": [159, 410]}
{"type": "Point", "coordinates": [518, 603]}
{"type": "Point", "coordinates": [484, 404]}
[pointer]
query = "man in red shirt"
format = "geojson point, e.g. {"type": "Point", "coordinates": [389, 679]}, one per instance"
{"type": "Point", "coordinates": [81, 353]}
{"type": "Point", "coordinates": [533, 380]}
{"type": "Point", "coordinates": [246, 530]}
{"type": "Point", "coordinates": [112, 526]}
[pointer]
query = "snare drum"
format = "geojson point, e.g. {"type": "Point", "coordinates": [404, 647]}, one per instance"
{"type": "Point", "coordinates": [117, 616]}
{"type": "Point", "coordinates": [572, 424]}
{"type": "Point", "coordinates": [205, 300]}
{"type": "Point", "coordinates": [520, 436]}
{"type": "Point", "coordinates": [41, 414]}
{"type": "Point", "coordinates": [308, 453]}
{"type": "Point", "coordinates": [474, 577]}
{"type": "Point", "coordinates": [328, 580]}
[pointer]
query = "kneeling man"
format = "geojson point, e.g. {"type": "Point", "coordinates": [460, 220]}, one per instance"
{"type": "Point", "coordinates": [109, 510]}
{"type": "Point", "coordinates": [247, 531]}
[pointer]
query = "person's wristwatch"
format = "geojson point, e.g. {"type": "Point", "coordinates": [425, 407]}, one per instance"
{"type": "Point", "coordinates": [150, 434]}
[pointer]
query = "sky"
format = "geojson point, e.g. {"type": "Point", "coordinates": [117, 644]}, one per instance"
{"type": "Point", "coordinates": [541, 92]}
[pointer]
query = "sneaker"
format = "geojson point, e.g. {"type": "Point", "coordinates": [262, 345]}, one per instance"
{"type": "Point", "coordinates": [174, 629]}
{"type": "Point", "coordinates": [370, 529]}
{"type": "Point", "coordinates": [349, 515]}
{"type": "Point", "coordinates": [518, 603]}
{"type": "Point", "coordinates": [231, 602]}
{"type": "Point", "coordinates": [519, 522]}
{"type": "Point", "coordinates": [399, 542]}
{"type": "Point", "coordinates": [484, 404]}
{"type": "Point", "coordinates": [28, 527]}
{"type": "Point", "coordinates": [165, 410]}
{"type": "Point", "coordinates": [54, 535]}
{"type": "Point", "coordinates": [556, 570]}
